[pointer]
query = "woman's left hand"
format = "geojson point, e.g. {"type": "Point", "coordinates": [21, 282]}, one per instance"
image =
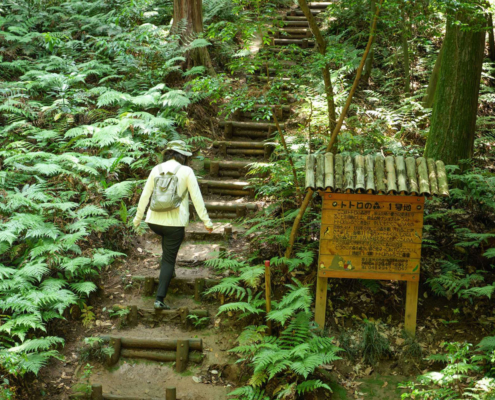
{"type": "Point", "coordinates": [136, 222]}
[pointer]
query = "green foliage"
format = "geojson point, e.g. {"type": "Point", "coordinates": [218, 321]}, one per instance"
{"type": "Point", "coordinates": [374, 344]}
{"type": "Point", "coordinates": [467, 375]}
{"type": "Point", "coordinates": [296, 354]}
{"type": "Point", "coordinates": [85, 108]}
{"type": "Point", "coordinates": [199, 322]}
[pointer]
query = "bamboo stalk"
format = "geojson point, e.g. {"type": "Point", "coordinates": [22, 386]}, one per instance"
{"type": "Point", "coordinates": [282, 139]}
{"type": "Point", "coordinates": [411, 176]}
{"type": "Point", "coordinates": [424, 186]}
{"type": "Point", "coordinates": [310, 171]}
{"type": "Point", "coordinates": [401, 174]}
{"type": "Point", "coordinates": [391, 178]}
{"type": "Point", "coordinates": [360, 174]}
{"type": "Point", "coordinates": [432, 176]}
{"type": "Point", "coordinates": [336, 131]}
{"type": "Point", "coordinates": [320, 171]}
{"type": "Point", "coordinates": [380, 174]}
{"type": "Point", "coordinates": [329, 174]}
{"type": "Point", "coordinates": [370, 174]}
{"type": "Point", "coordinates": [443, 186]}
{"type": "Point", "coordinates": [339, 172]}
{"type": "Point", "coordinates": [349, 175]}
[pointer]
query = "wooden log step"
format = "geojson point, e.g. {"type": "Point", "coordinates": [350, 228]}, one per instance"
{"type": "Point", "coordinates": [185, 285]}
{"type": "Point", "coordinates": [296, 31]}
{"type": "Point", "coordinates": [304, 43]}
{"type": "Point", "coordinates": [155, 344]}
{"type": "Point", "coordinates": [264, 78]}
{"type": "Point", "coordinates": [318, 5]}
{"type": "Point", "coordinates": [160, 356]}
{"type": "Point", "coordinates": [121, 397]}
{"type": "Point", "coordinates": [240, 145]}
{"type": "Point", "coordinates": [300, 13]}
{"type": "Point", "coordinates": [229, 206]}
{"type": "Point", "coordinates": [249, 125]}
{"type": "Point", "coordinates": [303, 23]}
{"type": "Point", "coordinates": [168, 314]}
{"type": "Point", "coordinates": [231, 184]}
{"type": "Point", "coordinates": [289, 17]}
{"type": "Point", "coordinates": [230, 188]}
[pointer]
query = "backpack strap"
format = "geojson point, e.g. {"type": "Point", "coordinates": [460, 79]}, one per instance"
{"type": "Point", "coordinates": [176, 169]}
{"type": "Point", "coordinates": [160, 169]}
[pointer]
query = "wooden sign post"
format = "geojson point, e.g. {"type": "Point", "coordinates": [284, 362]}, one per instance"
{"type": "Point", "coordinates": [366, 236]}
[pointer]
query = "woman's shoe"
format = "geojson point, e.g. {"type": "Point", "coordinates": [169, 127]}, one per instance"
{"type": "Point", "coordinates": [160, 305]}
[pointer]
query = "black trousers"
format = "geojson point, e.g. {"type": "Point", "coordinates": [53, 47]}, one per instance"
{"type": "Point", "coordinates": [172, 237]}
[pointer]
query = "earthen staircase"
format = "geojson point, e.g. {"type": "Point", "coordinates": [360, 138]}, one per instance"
{"type": "Point", "coordinates": [166, 335]}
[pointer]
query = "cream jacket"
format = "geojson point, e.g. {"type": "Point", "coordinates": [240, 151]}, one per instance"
{"type": "Point", "coordinates": [180, 216]}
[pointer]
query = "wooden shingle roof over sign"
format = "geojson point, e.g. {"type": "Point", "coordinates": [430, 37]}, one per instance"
{"type": "Point", "coordinates": [375, 174]}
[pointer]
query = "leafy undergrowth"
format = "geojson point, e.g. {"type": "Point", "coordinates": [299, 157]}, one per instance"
{"type": "Point", "coordinates": [85, 111]}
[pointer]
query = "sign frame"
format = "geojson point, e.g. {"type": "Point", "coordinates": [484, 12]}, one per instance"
{"type": "Point", "coordinates": [375, 210]}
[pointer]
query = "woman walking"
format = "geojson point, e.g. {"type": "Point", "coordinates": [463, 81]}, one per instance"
{"type": "Point", "coordinates": [170, 225]}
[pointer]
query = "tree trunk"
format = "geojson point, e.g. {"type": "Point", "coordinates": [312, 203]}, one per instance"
{"type": "Point", "coordinates": [322, 48]}
{"type": "Point", "coordinates": [453, 122]}
{"type": "Point", "coordinates": [368, 66]}
{"type": "Point", "coordinates": [491, 40]}
{"type": "Point", "coordinates": [432, 83]}
{"type": "Point", "coordinates": [405, 51]}
{"type": "Point", "coordinates": [188, 24]}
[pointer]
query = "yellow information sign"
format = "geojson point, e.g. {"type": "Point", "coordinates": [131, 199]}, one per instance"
{"type": "Point", "coordinates": [371, 237]}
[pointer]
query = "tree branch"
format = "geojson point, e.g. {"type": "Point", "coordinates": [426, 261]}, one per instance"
{"type": "Point", "coordinates": [336, 131]}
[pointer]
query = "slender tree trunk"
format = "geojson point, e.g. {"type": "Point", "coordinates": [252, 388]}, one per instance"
{"type": "Point", "coordinates": [322, 48]}
{"type": "Point", "coordinates": [432, 83]}
{"type": "Point", "coordinates": [491, 40]}
{"type": "Point", "coordinates": [359, 71]}
{"type": "Point", "coordinates": [455, 108]}
{"type": "Point", "coordinates": [405, 51]}
{"type": "Point", "coordinates": [368, 66]}
{"type": "Point", "coordinates": [188, 23]}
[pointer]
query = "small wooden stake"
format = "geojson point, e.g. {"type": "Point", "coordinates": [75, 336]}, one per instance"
{"type": "Point", "coordinates": [227, 232]}
{"type": "Point", "coordinates": [321, 301]}
{"type": "Point", "coordinates": [199, 286]}
{"type": "Point", "coordinates": [411, 307]}
{"type": "Point", "coordinates": [149, 285]}
{"type": "Point", "coordinates": [214, 168]}
{"type": "Point", "coordinates": [96, 391]}
{"type": "Point", "coordinates": [268, 292]}
{"type": "Point", "coordinates": [170, 393]}
{"type": "Point", "coordinates": [184, 312]}
{"type": "Point", "coordinates": [182, 355]}
{"type": "Point", "coordinates": [133, 316]}
{"type": "Point", "coordinates": [116, 344]}
{"type": "Point", "coordinates": [228, 130]}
